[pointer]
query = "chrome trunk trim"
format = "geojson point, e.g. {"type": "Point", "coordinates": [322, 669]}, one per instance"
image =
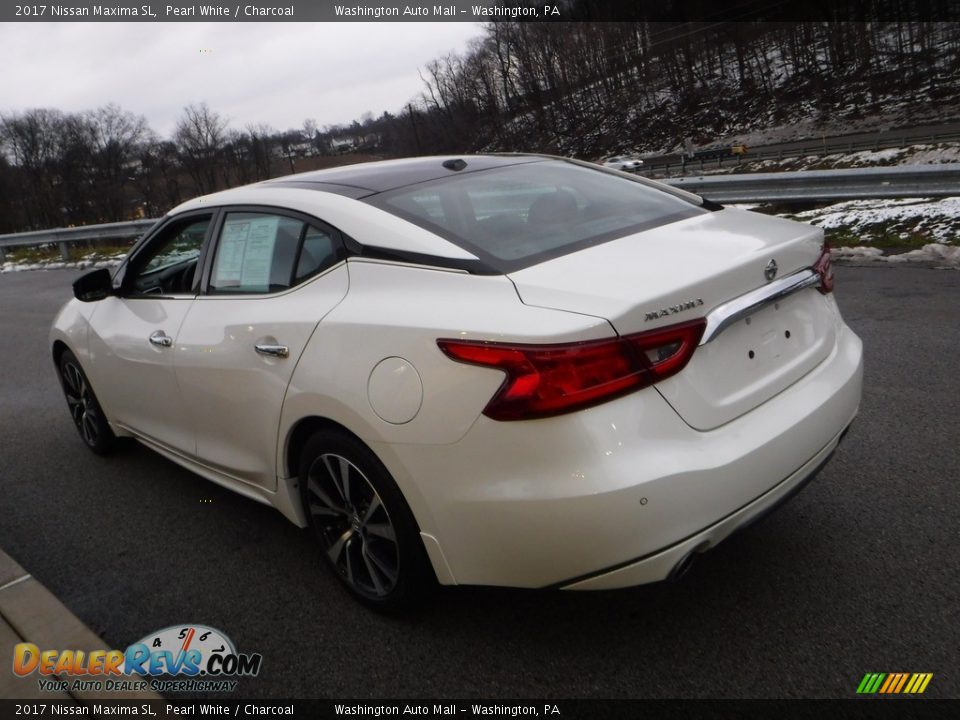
{"type": "Point", "coordinates": [723, 316]}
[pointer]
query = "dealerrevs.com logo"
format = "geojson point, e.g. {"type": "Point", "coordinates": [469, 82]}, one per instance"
{"type": "Point", "coordinates": [188, 658]}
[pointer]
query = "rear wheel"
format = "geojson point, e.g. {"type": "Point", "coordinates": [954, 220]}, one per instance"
{"type": "Point", "coordinates": [365, 529]}
{"type": "Point", "coordinates": [84, 408]}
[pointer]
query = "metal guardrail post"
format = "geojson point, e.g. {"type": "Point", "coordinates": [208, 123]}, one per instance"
{"type": "Point", "coordinates": [64, 250]}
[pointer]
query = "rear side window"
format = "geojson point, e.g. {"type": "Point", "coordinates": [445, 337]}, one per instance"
{"type": "Point", "coordinates": [318, 251]}
{"type": "Point", "coordinates": [266, 253]}
{"type": "Point", "coordinates": [519, 215]}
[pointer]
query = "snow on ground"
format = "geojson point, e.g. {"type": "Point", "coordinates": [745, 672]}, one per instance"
{"type": "Point", "coordinates": [932, 154]}
{"type": "Point", "coordinates": [813, 129]}
{"type": "Point", "coordinates": [944, 256]}
{"type": "Point", "coordinates": [861, 252]}
{"type": "Point", "coordinates": [919, 154]}
{"type": "Point", "coordinates": [87, 262]}
{"type": "Point", "coordinates": [938, 220]}
{"type": "Point", "coordinates": [934, 252]}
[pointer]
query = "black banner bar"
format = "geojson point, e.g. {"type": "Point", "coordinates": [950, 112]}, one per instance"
{"type": "Point", "coordinates": [480, 11]}
{"type": "Point", "coordinates": [865, 709]}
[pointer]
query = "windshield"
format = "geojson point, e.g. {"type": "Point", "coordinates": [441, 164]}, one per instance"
{"type": "Point", "coordinates": [519, 215]}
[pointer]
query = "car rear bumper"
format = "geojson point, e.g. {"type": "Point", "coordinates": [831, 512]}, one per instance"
{"type": "Point", "coordinates": [618, 494]}
{"type": "Point", "coordinates": [673, 561]}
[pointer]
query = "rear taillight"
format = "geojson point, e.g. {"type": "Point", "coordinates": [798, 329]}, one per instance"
{"type": "Point", "coordinates": [824, 268]}
{"type": "Point", "coordinates": [545, 380]}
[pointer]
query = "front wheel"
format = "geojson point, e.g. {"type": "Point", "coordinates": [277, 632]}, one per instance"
{"type": "Point", "coordinates": [366, 532]}
{"type": "Point", "coordinates": [83, 405]}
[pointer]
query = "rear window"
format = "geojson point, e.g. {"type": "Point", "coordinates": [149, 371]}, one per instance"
{"type": "Point", "coordinates": [516, 216]}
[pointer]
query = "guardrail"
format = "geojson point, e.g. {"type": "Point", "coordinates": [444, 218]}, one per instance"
{"type": "Point", "coordinates": [64, 236]}
{"type": "Point", "coordinates": [902, 181]}
{"type": "Point", "coordinates": [676, 164]}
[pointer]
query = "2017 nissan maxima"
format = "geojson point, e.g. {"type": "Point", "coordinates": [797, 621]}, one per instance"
{"type": "Point", "coordinates": [501, 370]}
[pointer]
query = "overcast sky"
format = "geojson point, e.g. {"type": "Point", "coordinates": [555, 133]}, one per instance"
{"type": "Point", "coordinates": [275, 73]}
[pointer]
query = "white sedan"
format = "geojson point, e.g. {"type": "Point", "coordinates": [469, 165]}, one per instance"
{"type": "Point", "coordinates": [623, 162]}
{"type": "Point", "coordinates": [512, 370]}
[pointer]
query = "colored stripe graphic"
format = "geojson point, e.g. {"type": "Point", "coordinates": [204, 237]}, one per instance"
{"type": "Point", "coordinates": [918, 683]}
{"type": "Point", "coordinates": [892, 680]}
{"type": "Point", "coordinates": [903, 679]}
{"type": "Point", "coordinates": [914, 681]}
{"type": "Point", "coordinates": [894, 683]}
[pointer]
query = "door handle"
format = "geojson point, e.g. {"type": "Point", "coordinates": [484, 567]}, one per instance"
{"type": "Point", "coordinates": [280, 351]}
{"type": "Point", "coordinates": [161, 339]}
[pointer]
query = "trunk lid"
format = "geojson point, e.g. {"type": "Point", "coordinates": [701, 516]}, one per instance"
{"type": "Point", "coordinates": [682, 271]}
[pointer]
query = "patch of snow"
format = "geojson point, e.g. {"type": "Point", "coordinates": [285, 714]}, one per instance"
{"type": "Point", "coordinates": [938, 219]}
{"type": "Point", "coordinates": [947, 255]}
{"type": "Point", "coordinates": [22, 265]}
{"type": "Point", "coordinates": [932, 154]}
{"type": "Point", "coordinates": [861, 252]}
{"type": "Point", "coordinates": [944, 256]}
{"type": "Point", "coordinates": [920, 154]}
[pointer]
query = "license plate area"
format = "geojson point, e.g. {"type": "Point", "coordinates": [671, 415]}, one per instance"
{"type": "Point", "coordinates": [752, 360]}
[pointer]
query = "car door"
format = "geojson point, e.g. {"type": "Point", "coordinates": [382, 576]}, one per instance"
{"type": "Point", "coordinates": [271, 278]}
{"type": "Point", "coordinates": [132, 334]}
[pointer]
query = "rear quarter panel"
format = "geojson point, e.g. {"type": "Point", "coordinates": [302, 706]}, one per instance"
{"type": "Point", "coordinates": [394, 310]}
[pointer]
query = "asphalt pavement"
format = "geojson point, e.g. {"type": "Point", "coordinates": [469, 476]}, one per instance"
{"type": "Point", "coordinates": [858, 573]}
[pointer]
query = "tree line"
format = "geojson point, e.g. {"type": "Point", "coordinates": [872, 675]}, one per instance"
{"type": "Point", "coordinates": [579, 89]}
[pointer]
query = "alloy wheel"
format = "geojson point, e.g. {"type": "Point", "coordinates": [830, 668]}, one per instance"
{"type": "Point", "coordinates": [355, 529]}
{"type": "Point", "coordinates": [82, 404]}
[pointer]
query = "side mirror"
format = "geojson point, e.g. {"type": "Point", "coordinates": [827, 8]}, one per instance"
{"type": "Point", "coordinates": [93, 286]}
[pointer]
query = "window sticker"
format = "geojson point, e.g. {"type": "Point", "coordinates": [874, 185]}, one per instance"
{"type": "Point", "coordinates": [246, 252]}
{"type": "Point", "coordinates": [230, 255]}
{"type": "Point", "coordinates": [258, 255]}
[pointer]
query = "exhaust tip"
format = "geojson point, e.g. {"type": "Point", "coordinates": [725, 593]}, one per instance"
{"type": "Point", "coordinates": [682, 567]}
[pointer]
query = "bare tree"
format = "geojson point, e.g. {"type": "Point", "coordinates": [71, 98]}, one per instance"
{"type": "Point", "coordinates": [200, 136]}
{"type": "Point", "coordinates": [261, 140]}
{"type": "Point", "coordinates": [116, 136]}
{"type": "Point", "coordinates": [159, 178]}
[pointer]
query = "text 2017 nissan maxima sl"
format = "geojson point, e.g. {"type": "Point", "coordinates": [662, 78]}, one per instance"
{"type": "Point", "coordinates": [498, 370]}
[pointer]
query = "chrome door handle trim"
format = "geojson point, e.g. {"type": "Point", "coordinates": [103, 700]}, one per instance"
{"type": "Point", "coordinates": [161, 339]}
{"type": "Point", "coordinates": [280, 351]}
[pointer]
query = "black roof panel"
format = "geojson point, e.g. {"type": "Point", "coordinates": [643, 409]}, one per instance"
{"type": "Point", "coordinates": [346, 190]}
{"type": "Point", "coordinates": [391, 174]}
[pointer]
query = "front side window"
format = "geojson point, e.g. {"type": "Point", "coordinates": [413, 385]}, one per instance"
{"type": "Point", "coordinates": [266, 253]}
{"type": "Point", "coordinates": [168, 264]}
{"type": "Point", "coordinates": [516, 216]}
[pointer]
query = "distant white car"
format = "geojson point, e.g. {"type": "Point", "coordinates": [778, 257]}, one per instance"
{"type": "Point", "coordinates": [623, 162]}
{"type": "Point", "coordinates": [509, 370]}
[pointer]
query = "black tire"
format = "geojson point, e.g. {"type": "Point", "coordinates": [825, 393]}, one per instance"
{"type": "Point", "coordinates": [84, 407]}
{"type": "Point", "coordinates": [367, 535]}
